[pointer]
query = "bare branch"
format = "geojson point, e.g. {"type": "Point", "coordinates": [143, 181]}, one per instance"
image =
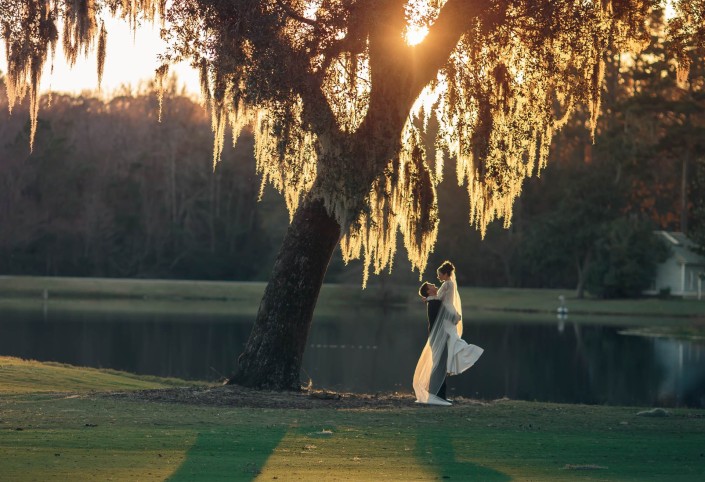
{"type": "Point", "coordinates": [291, 13]}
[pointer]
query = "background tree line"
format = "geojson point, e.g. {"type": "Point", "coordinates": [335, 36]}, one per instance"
{"type": "Point", "coordinates": [110, 191]}
{"type": "Point", "coordinates": [587, 221]}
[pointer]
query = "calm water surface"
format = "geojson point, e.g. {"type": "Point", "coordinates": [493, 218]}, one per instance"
{"type": "Point", "coordinates": [371, 351]}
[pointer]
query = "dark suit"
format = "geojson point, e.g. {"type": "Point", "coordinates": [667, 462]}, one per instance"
{"type": "Point", "coordinates": [432, 308]}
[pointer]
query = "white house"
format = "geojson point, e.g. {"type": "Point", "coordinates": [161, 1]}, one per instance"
{"type": "Point", "coordinates": [680, 271]}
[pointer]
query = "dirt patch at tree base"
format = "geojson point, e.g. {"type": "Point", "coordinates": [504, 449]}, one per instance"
{"type": "Point", "coordinates": [237, 396]}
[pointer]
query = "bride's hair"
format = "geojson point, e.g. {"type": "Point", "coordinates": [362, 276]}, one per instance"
{"type": "Point", "coordinates": [446, 268]}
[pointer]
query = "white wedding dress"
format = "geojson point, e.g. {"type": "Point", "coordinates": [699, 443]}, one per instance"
{"type": "Point", "coordinates": [445, 338]}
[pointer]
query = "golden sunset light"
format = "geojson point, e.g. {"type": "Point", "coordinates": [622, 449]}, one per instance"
{"type": "Point", "coordinates": [133, 60]}
{"type": "Point", "coordinates": [419, 15]}
{"type": "Point", "coordinates": [352, 240]}
{"type": "Point", "coordinates": [415, 34]}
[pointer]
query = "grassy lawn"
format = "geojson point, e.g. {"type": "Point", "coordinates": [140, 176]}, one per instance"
{"type": "Point", "coordinates": [541, 300]}
{"type": "Point", "coordinates": [34, 286]}
{"type": "Point", "coordinates": [78, 435]}
{"type": "Point", "coordinates": [158, 295]}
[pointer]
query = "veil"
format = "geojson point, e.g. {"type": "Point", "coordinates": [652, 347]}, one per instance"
{"type": "Point", "coordinates": [445, 352]}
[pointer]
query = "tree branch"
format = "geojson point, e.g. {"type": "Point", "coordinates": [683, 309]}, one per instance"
{"type": "Point", "coordinates": [291, 13]}
{"type": "Point", "coordinates": [317, 111]}
{"type": "Point", "coordinates": [456, 17]}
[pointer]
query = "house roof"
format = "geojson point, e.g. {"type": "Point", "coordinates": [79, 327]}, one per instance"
{"type": "Point", "coordinates": [682, 247]}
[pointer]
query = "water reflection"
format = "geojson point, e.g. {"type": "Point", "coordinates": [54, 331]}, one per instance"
{"type": "Point", "coordinates": [183, 345]}
{"type": "Point", "coordinates": [683, 366]}
{"type": "Point", "coordinates": [575, 364]}
{"type": "Point", "coordinates": [371, 351]}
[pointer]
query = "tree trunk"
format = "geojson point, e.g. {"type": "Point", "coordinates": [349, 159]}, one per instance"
{"type": "Point", "coordinates": [684, 191]}
{"type": "Point", "coordinates": [582, 274]}
{"type": "Point", "coordinates": [274, 352]}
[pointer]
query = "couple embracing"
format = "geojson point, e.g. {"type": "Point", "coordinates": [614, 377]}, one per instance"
{"type": "Point", "coordinates": [445, 352]}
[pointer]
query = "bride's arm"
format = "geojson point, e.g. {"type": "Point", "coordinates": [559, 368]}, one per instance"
{"type": "Point", "coordinates": [438, 295]}
{"type": "Point", "coordinates": [444, 292]}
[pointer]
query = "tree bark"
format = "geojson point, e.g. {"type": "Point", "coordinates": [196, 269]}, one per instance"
{"type": "Point", "coordinates": [583, 268]}
{"type": "Point", "coordinates": [684, 190]}
{"type": "Point", "coordinates": [274, 351]}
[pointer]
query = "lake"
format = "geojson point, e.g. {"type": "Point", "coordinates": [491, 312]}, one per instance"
{"type": "Point", "coordinates": [363, 350]}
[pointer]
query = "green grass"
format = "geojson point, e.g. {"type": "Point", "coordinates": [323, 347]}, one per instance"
{"type": "Point", "coordinates": [29, 376]}
{"type": "Point", "coordinates": [35, 286]}
{"type": "Point", "coordinates": [547, 301]}
{"type": "Point", "coordinates": [81, 436]}
{"type": "Point", "coordinates": [244, 297]}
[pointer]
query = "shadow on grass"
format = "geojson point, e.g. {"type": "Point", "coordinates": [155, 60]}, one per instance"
{"type": "Point", "coordinates": [229, 454]}
{"type": "Point", "coordinates": [434, 449]}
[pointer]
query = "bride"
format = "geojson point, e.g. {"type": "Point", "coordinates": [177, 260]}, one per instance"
{"type": "Point", "coordinates": [444, 339]}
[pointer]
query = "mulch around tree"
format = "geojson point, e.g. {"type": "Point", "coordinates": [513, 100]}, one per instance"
{"type": "Point", "coordinates": [237, 396]}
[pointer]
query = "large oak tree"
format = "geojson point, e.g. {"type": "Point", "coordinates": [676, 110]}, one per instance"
{"type": "Point", "coordinates": [339, 93]}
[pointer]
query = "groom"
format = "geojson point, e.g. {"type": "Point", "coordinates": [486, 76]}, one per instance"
{"type": "Point", "coordinates": [432, 306]}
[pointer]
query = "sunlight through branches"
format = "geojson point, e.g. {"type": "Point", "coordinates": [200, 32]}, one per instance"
{"type": "Point", "coordinates": [340, 93]}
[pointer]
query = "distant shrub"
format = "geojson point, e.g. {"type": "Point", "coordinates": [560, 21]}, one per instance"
{"type": "Point", "coordinates": [625, 260]}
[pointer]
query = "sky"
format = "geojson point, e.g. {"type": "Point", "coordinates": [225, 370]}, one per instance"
{"type": "Point", "coordinates": [127, 63]}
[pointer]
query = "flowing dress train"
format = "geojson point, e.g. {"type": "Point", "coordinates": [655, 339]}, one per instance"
{"type": "Point", "coordinates": [445, 352]}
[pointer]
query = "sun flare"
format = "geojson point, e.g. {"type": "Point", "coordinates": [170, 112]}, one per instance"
{"type": "Point", "coordinates": [414, 34]}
